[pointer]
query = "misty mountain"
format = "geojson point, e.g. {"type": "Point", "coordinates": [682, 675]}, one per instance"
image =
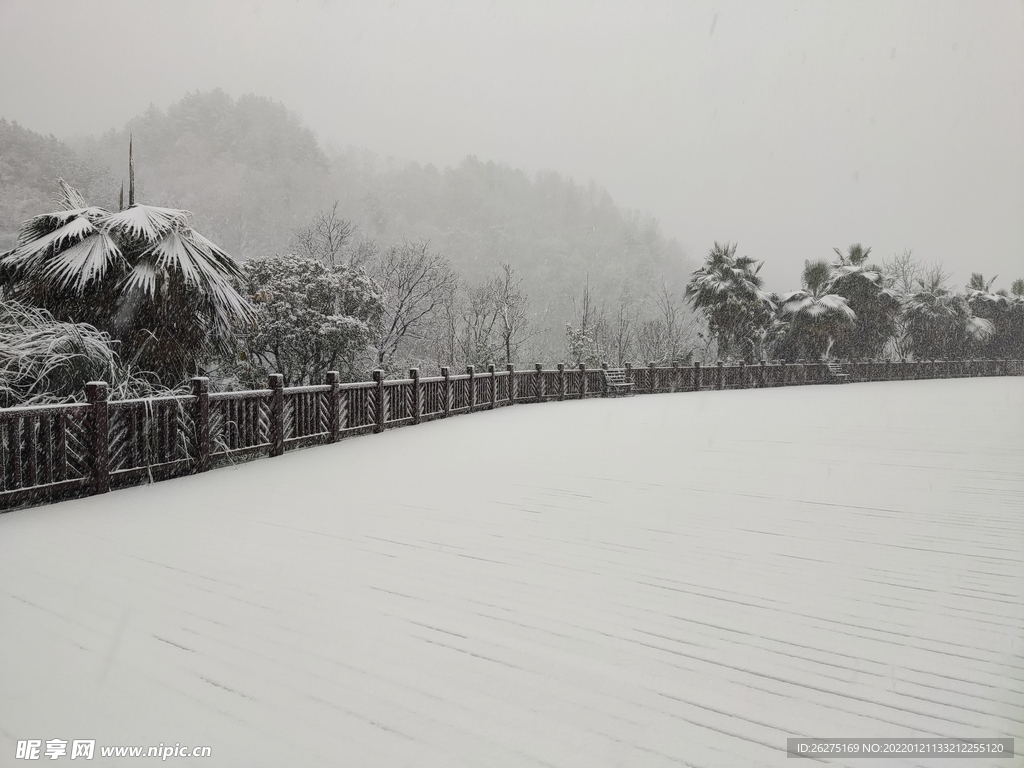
{"type": "Point", "coordinates": [247, 169]}
{"type": "Point", "coordinates": [29, 166]}
{"type": "Point", "coordinates": [252, 173]}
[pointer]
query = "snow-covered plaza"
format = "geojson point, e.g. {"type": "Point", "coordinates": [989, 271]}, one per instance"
{"type": "Point", "coordinates": [678, 579]}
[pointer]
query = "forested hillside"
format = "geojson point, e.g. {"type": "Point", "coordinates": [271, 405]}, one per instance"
{"type": "Point", "coordinates": [29, 166]}
{"type": "Point", "coordinates": [247, 169]}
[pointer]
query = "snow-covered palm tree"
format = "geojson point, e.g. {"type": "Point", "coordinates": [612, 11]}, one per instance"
{"type": "Point", "coordinates": [876, 306]}
{"type": "Point", "coordinates": [1003, 311]}
{"type": "Point", "coordinates": [816, 314]}
{"type": "Point", "coordinates": [940, 324]}
{"type": "Point", "coordinates": [727, 289]}
{"type": "Point", "coordinates": [142, 274]}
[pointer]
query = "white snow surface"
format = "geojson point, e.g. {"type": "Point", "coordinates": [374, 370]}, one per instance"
{"type": "Point", "coordinates": [679, 579]}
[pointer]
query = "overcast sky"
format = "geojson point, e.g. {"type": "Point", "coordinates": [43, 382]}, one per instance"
{"type": "Point", "coordinates": [788, 127]}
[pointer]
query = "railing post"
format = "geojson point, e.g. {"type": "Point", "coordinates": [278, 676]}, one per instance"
{"type": "Point", "coordinates": [333, 406]}
{"type": "Point", "coordinates": [764, 373]}
{"type": "Point", "coordinates": [511, 383]}
{"type": "Point", "coordinates": [471, 370]}
{"type": "Point", "coordinates": [417, 395]}
{"type": "Point", "coordinates": [561, 381]}
{"type": "Point", "coordinates": [494, 386]}
{"type": "Point", "coordinates": [446, 373]}
{"type": "Point", "coordinates": [539, 381]}
{"type": "Point", "coordinates": [651, 373]}
{"type": "Point", "coordinates": [629, 372]}
{"type": "Point", "coordinates": [96, 394]}
{"type": "Point", "coordinates": [382, 416]}
{"type": "Point", "coordinates": [721, 376]}
{"type": "Point", "coordinates": [604, 381]}
{"type": "Point", "coordinates": [201, 421]}
{"type": "Point", "coordinates": [583, 380]}
{"type": "Point", "coordinates": [696, 375]}
{"type": "Point", "coordinates": [276, 383]}
{"type": "Point", "coordinates": [743, 374]}
{"type": "Point", "coordinates": [675, 376]}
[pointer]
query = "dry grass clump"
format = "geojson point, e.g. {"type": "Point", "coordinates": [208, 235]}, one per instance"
{"type": "Point", "coordinates": [43, 360]}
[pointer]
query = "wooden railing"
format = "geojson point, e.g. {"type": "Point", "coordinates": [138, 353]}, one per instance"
{"type": "Point", "coordinates": [53, 452]}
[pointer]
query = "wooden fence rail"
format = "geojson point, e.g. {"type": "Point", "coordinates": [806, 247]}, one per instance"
{"type": "Point", "coordinates": [54, 452]}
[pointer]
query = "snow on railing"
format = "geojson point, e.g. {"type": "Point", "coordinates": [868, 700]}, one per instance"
{"type": "Point", "coordinates": [53, 452]}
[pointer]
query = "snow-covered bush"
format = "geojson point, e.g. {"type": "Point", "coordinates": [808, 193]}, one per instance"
{"type": "Point", "coordinates": [310, 319]}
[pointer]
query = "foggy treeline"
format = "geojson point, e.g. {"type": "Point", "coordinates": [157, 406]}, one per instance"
{"type": "Point", "coordinates": [561, 256]}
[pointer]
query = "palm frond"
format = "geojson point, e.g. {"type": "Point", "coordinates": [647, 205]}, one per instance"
{"type": "Point", "coordinates": [807, 304]}
{"type": "Point", "coordinates": [45, 224]}
{"type": "Point", "coordinates": [70, 198]}
{"type": "Point", "coordinates": [88, 260]}
{"type": "Point", "coordinates": [202, 265]}
{"type": "Point", "coordinates": [223, 261]}
{"type": "Point", "coordinates": [147, 222]}
{"type": "Point", "coordinates": [836, 304]}
{"type": "Point", "coordinates": [72, 231]}
{"type": "Point", "coordinates": [794, 303]}
{"type": "Point", "coordinates": [979, 328]}
{"type": "Point", "coordinates": [851, 270]}
{"type": "Point", "coordinates": [143, 277]}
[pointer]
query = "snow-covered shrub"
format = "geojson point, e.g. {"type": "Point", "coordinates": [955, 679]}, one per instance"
{"type": "Point", "coordinates": [310, 319]}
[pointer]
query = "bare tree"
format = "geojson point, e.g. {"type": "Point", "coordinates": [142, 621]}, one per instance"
{"type": "Point", "coordinates": [479, 339]}
{"type": "Point", "coordinates": [680, 325]}
{"type": "Point", "coordinates": [652, 340]}
{"type": "Point", "coordinates": [363, 253]}
{"type": "Point", "coordinates": [325, 238]}
{"type": "Point", "coordinates": [903, 271]}
{"type": "Point", "coordinates": [584, 337]}
{"type": "Point", "coordinates": [672, 334]}
{"type": "Point", "coordinates": [443, 331]}
{"type": "Point", "coordinates": [512, 307]}
{"type": "Point", "coordinates": [417, 284]}
{"type": "Point", "coordinates": [622, 328]}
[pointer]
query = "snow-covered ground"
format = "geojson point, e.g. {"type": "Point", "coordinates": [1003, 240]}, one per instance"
{"type": "Point", "coordinates": [660, 580]}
